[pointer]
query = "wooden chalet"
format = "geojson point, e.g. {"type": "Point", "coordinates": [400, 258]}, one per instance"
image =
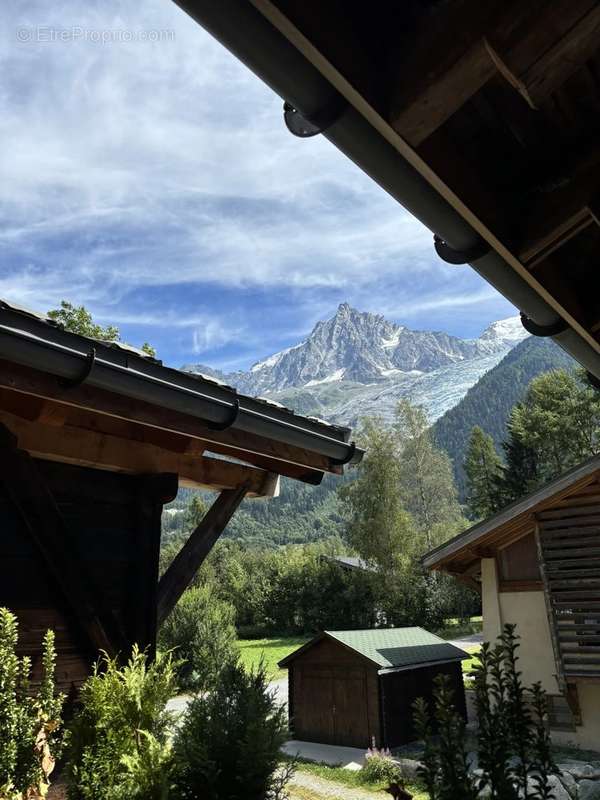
{"type": "Point", "coordinates": [537, 564]}
{"type": "Point", "coordinates": [94, 439]}
{"type": "Point", "coordinates": [480, 118]}
{"type": "Point", "coordinates": [353, 688]}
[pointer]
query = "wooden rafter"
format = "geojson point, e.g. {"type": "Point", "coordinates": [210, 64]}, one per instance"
{"type": "Point", "coordinates": [89, 449]}
{"type": "Point", "coordinates": [534, 47]}
{"type": "Point", "coordinates": [262, 452]}
{"type": "Point", "coordinates": [42, 519]}
{"type": "Point", "coordinates": [191, 556]}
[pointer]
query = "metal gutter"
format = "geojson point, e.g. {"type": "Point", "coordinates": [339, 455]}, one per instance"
{"type": "Point", "coordinates": [32, 343]}
{"type": "Point", "coordinates": [243, 30]}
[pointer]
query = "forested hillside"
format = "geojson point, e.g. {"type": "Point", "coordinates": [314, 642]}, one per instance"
{"type": "Point", "coordinates": [489, 402]}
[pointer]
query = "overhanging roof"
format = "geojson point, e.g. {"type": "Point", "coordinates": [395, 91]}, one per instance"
{"type": "Point", "coordinates": [390, 648]}
{"type": "Point", "coordinates": [56, 382]}
{"type": "Point", "coordinates": [482, 119]}
{"type": "Point", "coordinates": [519, 513]}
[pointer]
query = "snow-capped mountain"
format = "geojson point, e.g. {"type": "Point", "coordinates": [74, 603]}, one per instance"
{"type": "Point", "coordinates": [359, 363]}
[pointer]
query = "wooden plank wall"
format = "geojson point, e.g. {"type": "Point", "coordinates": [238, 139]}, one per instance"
{"type": "Point", "coordinates": [114, 527]}
{"type": "Point", "coordinates": [569, 536]}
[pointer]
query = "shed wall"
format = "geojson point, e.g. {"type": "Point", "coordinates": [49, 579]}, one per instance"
{"type": "Point", "coordinates": [334, 696]}
{"type": "Point", "coordinates": [399, 690]}
{"type": "Point", "coordinates": [113, 525]}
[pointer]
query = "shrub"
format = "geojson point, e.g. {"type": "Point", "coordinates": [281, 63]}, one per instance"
{"type": "Point", "coordinates": [380, 767]}
{"type": "Point", "coordinates": [201, 631]}
{"type": "Point", "coordinates": [30, 725]}
{"type": "Point", "coordinates": [228, 745]}
{"type": "Point", "coordinates": [118, 747]}
{"type": "Point", "coordinates": [514, 752]}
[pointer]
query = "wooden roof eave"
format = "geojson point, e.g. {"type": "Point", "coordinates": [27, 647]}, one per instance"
{"type": "Point", "coordinates": [512, 522]}
{"type": "Point", "coordinates": [29, 387]}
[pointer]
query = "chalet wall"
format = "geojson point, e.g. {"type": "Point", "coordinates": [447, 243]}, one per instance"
{"type": "Point", "coordinates": [588, 735]}
{"type": "Point", "coordinates": [536, 655]}
{"type": "Point", "coordinates": [490, 600]}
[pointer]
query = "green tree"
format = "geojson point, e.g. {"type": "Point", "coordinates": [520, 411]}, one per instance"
{"type": "Point", "coordinates": [379, 528]}
{"type": "Point", "coordinates": [195, 512]}
{"type": "Point", "coordinates": [555, 427]}
{"type": "Point", "coordinates": [78, 319]}
{"type": "Point", "coordinates": [425, 477]}
{"type": "Point", "coordinates": [484, 471]}
{"type": "Point", "coordinates": [228, 746]}
{"type": "Point", "coordinates": [201, 631]}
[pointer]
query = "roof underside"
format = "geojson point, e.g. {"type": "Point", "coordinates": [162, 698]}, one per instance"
{"type": "Point", "coordinates": [495, 105]}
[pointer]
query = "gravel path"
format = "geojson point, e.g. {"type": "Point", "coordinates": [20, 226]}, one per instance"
{"type": "Point", "coordinates": [326, 789]}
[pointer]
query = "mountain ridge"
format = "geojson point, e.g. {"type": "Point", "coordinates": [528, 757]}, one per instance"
{"type": "Point", "coordinates": [359, 362]}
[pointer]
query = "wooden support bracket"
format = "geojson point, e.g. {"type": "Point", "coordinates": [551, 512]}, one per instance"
{"type": "Point", "coordinates": [193, 553]}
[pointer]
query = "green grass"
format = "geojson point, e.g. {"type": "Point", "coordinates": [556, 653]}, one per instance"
{"type": "Point", "coordinates": [455, 629]}
{"type": "Point", "coordinates": [270, 651]}
{"type": "Point", "coordinates": [351, 778]}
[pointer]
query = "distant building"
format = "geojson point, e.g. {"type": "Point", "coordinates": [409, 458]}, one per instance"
{"type": "Point", "coordinates": [537, 564]}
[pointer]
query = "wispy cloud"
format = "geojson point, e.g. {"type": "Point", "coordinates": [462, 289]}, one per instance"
{"type": "Point", "coordinates": [156, 183]}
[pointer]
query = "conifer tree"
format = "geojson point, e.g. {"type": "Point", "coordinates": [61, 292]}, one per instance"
{"type": "Point", "coordinates": [484, 471]}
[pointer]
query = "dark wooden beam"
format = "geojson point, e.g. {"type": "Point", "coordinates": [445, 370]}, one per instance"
{"type": "Point", "coordinates": [193, 553]}
{"type": "Point", "coordinates": [274, 456]}
{"type": "Point", "coordinates": [28, 491]}
{"type": "Point", "coordinates": [534, 46]}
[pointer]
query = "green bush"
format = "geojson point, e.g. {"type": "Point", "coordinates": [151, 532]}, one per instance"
{"type": "Point", "coordinates": [201, 631]}
{"type": "Point", "coordinates": [379, 767]}
{"type": "Point", "coordinates": [513, 746]}
{"type": "Point", "coordinates": [228, 745]}
{"type": "Point", "coordinates": [119, 747]}
{"type": "Point", "coordinates": [30, 725]}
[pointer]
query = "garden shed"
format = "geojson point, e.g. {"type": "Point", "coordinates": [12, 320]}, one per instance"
{"type": "Point", "coordinates": [352, 687]}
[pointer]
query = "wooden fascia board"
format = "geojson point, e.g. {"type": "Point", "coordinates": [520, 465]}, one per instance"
{"type": "Point", "coordinates": [88, 449]}
{"type": "Point", "coordinates": [303, 464]}
{"type": "Point", "coordinates": [282, 23]}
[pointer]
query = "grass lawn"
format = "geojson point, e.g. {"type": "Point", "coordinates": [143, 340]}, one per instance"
{"type": "Point", "coordinates": [347, 777]}
{"type": "Point", "coordinates": [271, 651]}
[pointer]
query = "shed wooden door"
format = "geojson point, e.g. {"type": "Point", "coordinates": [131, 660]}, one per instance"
{"type": "Point", "coordinates": [332, 706]}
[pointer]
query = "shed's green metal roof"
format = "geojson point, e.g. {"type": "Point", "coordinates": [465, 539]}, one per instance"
{"type": "Point", "coordinates": [398, 647]}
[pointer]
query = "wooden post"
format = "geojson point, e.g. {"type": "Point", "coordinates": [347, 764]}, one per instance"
{"type": "Point", "coordinates": [191, 556]}
{"type": "Point", "coordinates": [153, 492]}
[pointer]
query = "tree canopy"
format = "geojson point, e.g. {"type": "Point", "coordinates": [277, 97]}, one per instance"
{"type": "Point", "coordinates": [78, 319]}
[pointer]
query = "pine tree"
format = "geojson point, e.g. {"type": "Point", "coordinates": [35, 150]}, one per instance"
{"type": "Point", "coordinates": [484, 471]}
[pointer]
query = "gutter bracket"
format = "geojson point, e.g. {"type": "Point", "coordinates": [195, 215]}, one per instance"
{"type": "Point", "coordinates": [90, 360]}
{"type": "Point", "coordinates": [451, 256]}
{"type": "Point", "coordinates": [223, 426]}
{"type": "Point", "coordinates": [305, 125]}
{"type": "Point", "coordinates": [340, 462]}
{"type": "Point", "coordinates": [543, 330]}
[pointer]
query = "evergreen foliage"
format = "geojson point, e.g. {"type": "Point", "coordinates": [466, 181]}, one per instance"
{"type": "Point", "coordinates": [489, 402]}
{"type": "Point", "coordinates": [227, 747]}
{"type": "Point", "coordinates": [121, 731]}
{"type": "Point", "coordinates": [484, 471]}
{"type": "Point", "coordinates": [30, 724]}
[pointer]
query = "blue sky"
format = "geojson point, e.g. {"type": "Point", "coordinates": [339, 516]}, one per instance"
{"type": "Point", "coordinates": [155, 182]}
